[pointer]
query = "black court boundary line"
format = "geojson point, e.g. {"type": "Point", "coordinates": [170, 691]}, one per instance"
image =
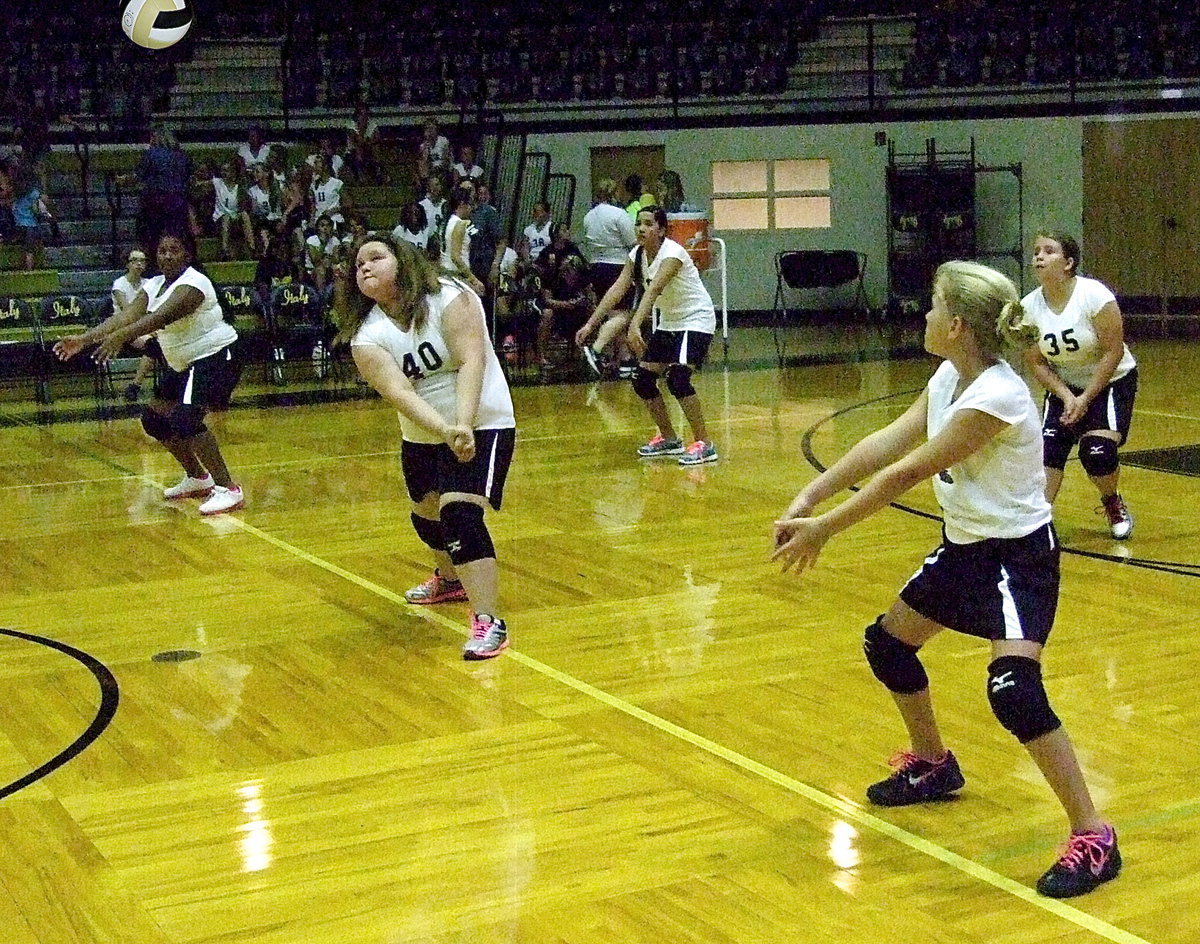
{"type": "Point", "coordinates": [1180, 568]}
{"type": "Point", "coordinates": [110, 697]}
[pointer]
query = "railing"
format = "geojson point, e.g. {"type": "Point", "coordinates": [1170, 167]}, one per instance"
{"type": "Point", "coordinates": [112, 194]}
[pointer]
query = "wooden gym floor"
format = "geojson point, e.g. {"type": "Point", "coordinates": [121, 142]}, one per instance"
{"type": "Point", "coordinates": [235, 731]}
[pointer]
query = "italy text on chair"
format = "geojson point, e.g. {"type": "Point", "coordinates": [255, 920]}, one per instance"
{"type": "Point", "coordinates": [297, 329]}
{"type": "Point", "coordinates": [816, 282]}
{"type": "Point", "coordinates": [59, 317]}
{"type": "Point", "coordinates": [23, 356]}
{"type": "Point", "coordinates": [242, 309]}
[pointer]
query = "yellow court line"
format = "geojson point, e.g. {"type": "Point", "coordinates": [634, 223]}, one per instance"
{"type": "Point", "coordinates": [844, 808]}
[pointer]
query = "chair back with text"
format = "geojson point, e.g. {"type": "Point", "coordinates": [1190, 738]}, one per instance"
{"type": "Point", "coordinates": [23, 357]}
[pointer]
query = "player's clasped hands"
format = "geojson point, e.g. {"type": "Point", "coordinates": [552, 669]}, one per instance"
{"type": "Point", "coordinates": [798, 542]}
{"type": "Point", "coordinates": [461, 440]}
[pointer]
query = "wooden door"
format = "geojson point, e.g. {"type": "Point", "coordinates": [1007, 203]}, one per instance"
{"type": "Point", "coordinates": [1141, 206]}
{"type": "Point", "coordinates": [647, 161]}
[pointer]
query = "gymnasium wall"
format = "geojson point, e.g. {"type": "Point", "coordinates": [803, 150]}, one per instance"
{"type": "Point", "coordinates": [1048, 148]}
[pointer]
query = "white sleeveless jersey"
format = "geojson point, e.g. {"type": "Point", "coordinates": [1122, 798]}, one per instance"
{"type": "Point", "coordinates": [1068, 338]}
{"type": "Point", "coordinates": [455, 222]}
{"type": "Point", "coordinates": [999, 491]}
{"type": "Point", "coordinates": [539, 238]}
{"type": "Point", "coordinates": [425, 358]}
{"type": "Point", "coordinates": [684, 304]}
{"type": "Point", "coordinates": [202, 333]}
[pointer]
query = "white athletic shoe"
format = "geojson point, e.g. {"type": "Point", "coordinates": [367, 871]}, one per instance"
{"type": "Point", "coordinates": [223, 500]}
{"type": "Point", "coordinates": [189, 487]}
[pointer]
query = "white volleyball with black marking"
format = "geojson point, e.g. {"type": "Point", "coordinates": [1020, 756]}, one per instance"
{"type": "Point", "coordinates": [156, 24]}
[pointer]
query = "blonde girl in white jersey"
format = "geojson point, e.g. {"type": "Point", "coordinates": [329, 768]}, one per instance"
{"type": "Point", "coordinates": [975, 432]}
{"type": "Point", "coordinates": [421, 341]}
{"type": "Point", "coordinates": [1090, 377]}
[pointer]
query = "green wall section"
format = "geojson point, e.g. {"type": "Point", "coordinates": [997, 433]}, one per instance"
{"type": "Point", "coordinates": [1048, 149]}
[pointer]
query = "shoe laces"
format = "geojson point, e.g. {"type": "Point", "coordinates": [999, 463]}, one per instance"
{"type": "Point", "coordinates": [480, 629]}
{"type": "Point", "coordinates": [1092, 847]}
{"type": "Point", "coordinates": [697, 447]}
{"type": "Point", "coordinates": [1113, 507]}
{"type": "Point", "coordinates": [657, 440]}
{"type": "Point", "coordinates": [904, 761]}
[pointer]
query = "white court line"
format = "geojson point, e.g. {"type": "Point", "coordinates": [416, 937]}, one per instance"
{"type": "Point", "coordinates": [843, 808]}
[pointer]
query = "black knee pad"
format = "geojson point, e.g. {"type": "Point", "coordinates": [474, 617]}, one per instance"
{"type": "Point", "coordinates": [1098, 455]}
{"type": "Point", "coordinates": [430, 531]}
{"type": "Point", "coordinates": [1055, 448]}
{"type": "Point", "coordinates": [645, 384]}
{"type": "Point", "coordinates": [467, 537]}
{"type": "Point", "coordinates": [679, 381]}
{"type": "Point", "coordinates": [1018, 698]}
{"type": "Point", "coordinates": [157, 425]}
{"type": "Point", "coordinates": [894, 663]}
{"type": "Point", "coordinates": [188, 421]}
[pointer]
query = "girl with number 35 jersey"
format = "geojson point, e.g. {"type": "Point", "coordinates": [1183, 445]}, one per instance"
{"type": "Point", "coordinates": [1089, 375]}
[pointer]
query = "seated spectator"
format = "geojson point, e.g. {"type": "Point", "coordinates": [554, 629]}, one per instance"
{"type": "Point", "coordinates": [565, 302]}
{"type": "Point", "coordinates": [325, 193]}
{"type": "Point", "coordinates": [125, 289]}
{"type": "Point", "coordinates": [230, 209]}
{"type": "Point", "coordinates": [254, 151]}
{"type": "Point", "coordinates": [466, 168]}
{"type": "Point", "coordinates": [433, 152]}
{"type": "Point", "coordinates": [275, 268]}
{"type": "Point", "coordinates": [266, 207]}
{"type": "Point", "coordinates": [333, 160]}
{"type": "Point", "coordinates": [413, 226]}
{"type": "Point", "coordinates": [539, 231]}
{"type": "Point", "coordinates": [434, 205]}
{"type": "Point", "coordinates": [29, 209]}
{"type": "Point", "coordinates": [518, 299]}
{"type": "Point", "coordinates": [323, 250]}
{"type": "Point", "coordinates": [362, 139]}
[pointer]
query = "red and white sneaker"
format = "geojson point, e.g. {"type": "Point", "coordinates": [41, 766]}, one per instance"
{"type": "Point", "coordinates": [1120, 521]}
{"type": "Point", "coordinates": [222, 500]}
{"type": "Point", "coordinates": [437, 589]}
{"type": "Point", "coordinates": [190, 487]}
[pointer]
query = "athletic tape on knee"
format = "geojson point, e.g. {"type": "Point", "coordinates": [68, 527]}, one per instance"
{"type": "Point", "coordinates": [1098, 455]}
{"type": "Point", "coordinates": [645, 384]}
{"type": "Point", "coordinates": [157, 426]}
{"type": "Point", "coordinates": [679, 381]}
{"type": "Point", "coordinates": [894, 662]}
{"type": "Point", "coordinates": [188, 421]}
{"type": "Point", "coordinates": [1018, 698]}
{"type": "Point", "coordinates": [1055, 449]}
{"type": "Point", "coordinates": [430, 531]}
{"type": "Point", "coordinates": [467, 537]}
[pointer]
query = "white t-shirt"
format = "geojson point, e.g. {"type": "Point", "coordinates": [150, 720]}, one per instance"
{"type": "Point", "coordinates": [225, 202]}
{"type": "Point", "coordinates": [999, 491]}
{"type": "Point", "coordinates": [425, 358]}
{"type": "Point", "coordinates": [251, 158]}
{"type": "Point", "coordinates": [335, 163]}
{"type": "Point", "coordinates": [607, 234]}
{"type": "Point", "coordinates": [327, 198]}
{"type": "Point", "coordinates": [127, 290]}
{"type": "Point", "coordinates": [330, 249]}
{"type": "Point", "coordinates": [684, 304]}
{"type": "Point", "coordinates": [539, 238]}
{"type": "Point", "coordinates": [261, 204]}
{"type": "Point", "coordinates": [202, 333]}
{"type": "Point", "coordinates": [438, 153]}
{"type": "Point", "coordinates": [453, 224]}
{"type": "Point", "coordinates": [1068, 339]}
{"type": "Point", "coordinates": [419, 239]}
{"type": "Point", "coordinates": [472, 173]}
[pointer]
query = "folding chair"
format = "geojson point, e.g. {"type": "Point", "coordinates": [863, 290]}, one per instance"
{"type": "Point", "coordinates": [297, 330]}
{"type": "Point", "coordinates": [243, 310]}
{"type": "Point", "coordinates": [816, 275]}
{"type": "Point", "coordinates": [23, 355]}
{"type": "Point", "coordinates": [61, 316]}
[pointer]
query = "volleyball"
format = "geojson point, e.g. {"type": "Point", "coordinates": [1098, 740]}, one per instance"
{"type": "Point", "coordinates": [156, 24]}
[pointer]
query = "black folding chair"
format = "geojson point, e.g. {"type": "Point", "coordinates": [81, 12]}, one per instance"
{"type": "Point", "coordinates": [61, 316]}
{"type": "Point", "coordinates": [298, 331]}
{"type": "Point", "coordinates": [809, 281]}
{"type": "Point", "coordinates": [23, 355]}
